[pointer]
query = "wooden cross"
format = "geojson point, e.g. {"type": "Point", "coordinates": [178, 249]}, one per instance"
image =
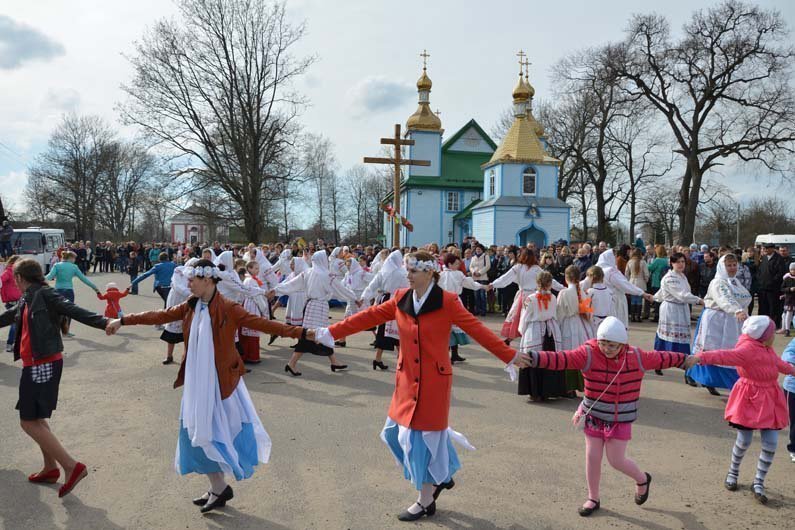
{"type": "Point", "coordinates": [396, 161]}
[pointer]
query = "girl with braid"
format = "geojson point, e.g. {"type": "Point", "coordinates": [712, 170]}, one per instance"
{"type": "Point", "coordinates": [613, 372]}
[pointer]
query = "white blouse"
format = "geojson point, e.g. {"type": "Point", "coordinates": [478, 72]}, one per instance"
{"type": "Point", "coordinates": [729, 296]}
{"type": "Point", "coordinates": [675, 288]}
{"type": "Point", "coordinates": [524, 277]}
{"type": "Point", "coordinates": [331, 289]}
{"type": "Point", "coordinates": [455, 281]}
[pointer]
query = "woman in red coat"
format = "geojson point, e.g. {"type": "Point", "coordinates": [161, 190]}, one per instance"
{"type": "Point", "coordinates": [416, 429]}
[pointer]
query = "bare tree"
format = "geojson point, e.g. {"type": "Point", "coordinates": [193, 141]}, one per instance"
{"type": "Point", "coordinates": [67, 178]}
{"type": "Point", "coordinates": [216, 87]}
{"type": "Point", "coordinates": [723, 89]}
{"type": "Point", "coordinates": [319, 165]}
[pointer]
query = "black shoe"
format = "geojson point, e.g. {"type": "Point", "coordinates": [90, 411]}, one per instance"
{"type": "Point", "coordinates": [689, 380]}
{"type": "Point", "coordinates": [168, 360]}
{"type": "Point", "coordinates": [294, 346]}
{"type": "Point", "coordinates": [408, 516]}
{"type": "Point", "coordinates": [439, 488]}
{"type": "Point", "coordinates": [291, 371]}
{"type": "Point", "coordinates": [640, 499]}
{"type": "Point", "coordinates": [456, 359]}
{"type": "Point", "coordinates": [731, 486]}
{"type": "Point", "coordinates": [659, 372]}
{"type": "Point", "coordinates": [336, 367]}
{"type": "Point", "coordinates": [761, 498]}
{"type": "Point", "coordinates": [220, 500]}
{"type": "Point", "coordinates": [379, 364]}
{"type": "Point", "coordinates": [372, 344]}
{"type": "Point", "coordinates": [201, 501]}
{"type": "Point", "coordinates": [272, 339]}
{"type": "Point", "coordinates": [585, 512]}
{"type": "Point", "coordinates": [712, 391]}
{"type": "Point", "coordinates": [341, 343]}
{"type": "Point", "coordinates": [252, 362]}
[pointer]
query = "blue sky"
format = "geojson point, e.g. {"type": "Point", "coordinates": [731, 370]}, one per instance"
{"type": "Point", "coordinates": [59, 56]}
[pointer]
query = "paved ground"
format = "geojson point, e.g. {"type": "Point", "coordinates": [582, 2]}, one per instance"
{"type": "Point", "coordinates": [118, 414]}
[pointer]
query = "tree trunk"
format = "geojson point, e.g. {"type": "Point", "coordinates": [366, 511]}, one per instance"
{"type": "Point", "coordinates": [689, 194]}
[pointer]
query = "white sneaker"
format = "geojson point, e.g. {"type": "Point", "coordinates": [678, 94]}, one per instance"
{"type": "Point", "coordinates": [9, 348]}
{"type": "Point", "coordinates": [792, 457]}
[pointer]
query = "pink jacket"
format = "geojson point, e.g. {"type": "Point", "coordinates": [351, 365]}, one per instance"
{"type": "Point", "coordinates": [616, 382]}
{"type": "Point", "coordinates": [9, 292]}
{"type": "Point", "coordinates": [756, 400]}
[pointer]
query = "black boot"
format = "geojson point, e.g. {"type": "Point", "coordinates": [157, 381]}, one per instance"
{"type": "Point", "coordinates": [454, 357]}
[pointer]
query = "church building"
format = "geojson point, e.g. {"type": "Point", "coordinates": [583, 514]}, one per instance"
{"type": "Point", "coordinates": [504, 194]}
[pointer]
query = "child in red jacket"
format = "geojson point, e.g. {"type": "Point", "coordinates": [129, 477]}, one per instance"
{"type": "Point", "coordinates": [112, 296]}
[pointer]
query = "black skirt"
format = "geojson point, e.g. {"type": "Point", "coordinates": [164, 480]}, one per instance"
{"type": "Point", "coordinates": [308, 346]}
{"type": "Point", "coordinates": [542, 383]}
{"type": "Point", "coordinates": [38, 390]}
{"type": "Point", "coordinates": [382, 342]}
{"type": "Point", "coordinates": [171, 338]}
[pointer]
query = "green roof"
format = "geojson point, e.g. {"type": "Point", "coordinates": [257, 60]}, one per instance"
{"type": "Point", "coordinates": [460, 169]}
{"type": "Point", "coordinates": [467, 212]}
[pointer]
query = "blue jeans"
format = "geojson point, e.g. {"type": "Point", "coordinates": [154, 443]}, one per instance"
{"type": "Point", "coordinates": [12, 329]}
{"type": "Point", "coordinates": [480, 300]}
{"type": "Point", "coordinates": [5, 249]}
{"type": "Point", "coordinates": [69, 294]}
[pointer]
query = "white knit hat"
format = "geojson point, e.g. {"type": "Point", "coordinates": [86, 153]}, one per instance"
{"type": "Point", "coordinates": [757, 327]}
{"type": "Point", "coordinates": [612, 329]}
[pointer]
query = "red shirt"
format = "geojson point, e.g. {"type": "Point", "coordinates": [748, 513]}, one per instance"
{"type": "Point", "coordinates": [25, 351]}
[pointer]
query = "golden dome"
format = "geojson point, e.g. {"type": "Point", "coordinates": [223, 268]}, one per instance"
{"type": "Point", "coordinates": [537, 128]}
{"type": "Point", "coordinates": [530, 88]}
{"type": "Point", "coordinates": [521, 145]}
{"type": "Point", "coordinates": [424, 82]}
{"type": "Point", "coordinates": [424, 119]}
{"type": "Point", "coordinates": [521, 92]}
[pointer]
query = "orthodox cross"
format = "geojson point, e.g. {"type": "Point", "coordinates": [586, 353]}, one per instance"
{"type": "Point", "coordinates": [425, 56]}
{"type": "Point", "coordinates": [521, 56]}
{"type": "Point", "coordinates": [396, 161]}
{"type": "Point", "coordinates": [527, 64]}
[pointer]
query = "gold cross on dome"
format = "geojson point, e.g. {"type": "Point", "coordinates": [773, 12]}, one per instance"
{"type": "Point", "coordinates": [526, 64]}
{"type": "Point", "coordinates": [521, 56]}
{"type": "Point", "coordinates": [425, 56]}
{"type": "Point", "coordinates": [438, 112]}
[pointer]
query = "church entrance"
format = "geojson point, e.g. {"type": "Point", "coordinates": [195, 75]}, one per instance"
{"type": "Point", "coordinates": [532, 235]}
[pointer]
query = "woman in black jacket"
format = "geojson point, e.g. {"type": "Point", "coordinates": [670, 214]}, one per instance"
{"type": "Point", "coordinates": [38, 317]}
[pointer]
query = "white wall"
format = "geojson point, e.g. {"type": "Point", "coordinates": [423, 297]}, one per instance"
{"type": "Point", "coordinates": [471, 141]}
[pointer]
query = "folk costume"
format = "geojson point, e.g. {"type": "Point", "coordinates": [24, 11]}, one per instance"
{"type": "Point", "coordinates": [296, 300]}
{"type": "Point", "coordinates": [673, 329]}
{"type": "Point", "coordinates": [355, 280]}
{"type": "Point", "coordinates": [220, 431]}
{"type": "Point", "coordinates": [756, 401]}
{"type": "Point", "coordinates": [601, 303]}
{"type": "Point", "coordinates": [718, 327]}
{"type": "Point", "coordinates": [249, 338]}
{"type": "Point", "coordinates": [455, 281]}
{"type": "Point", "coordinates": [416, 430]}
{"type": "Point", "coordinates": [525, 278]}
{"type": "Point", "coordinates": [320, 287]}
{"type": "Point", "coordinates": [391, 277]}
{"type": "Point", "coordinates": [540, 331]}
{"type": "Point", "coordinates": [179, 293]}
{"type": "Point", "coordinates": [618, 284]}
{"type": "Point", "coordinates": [575, 327]}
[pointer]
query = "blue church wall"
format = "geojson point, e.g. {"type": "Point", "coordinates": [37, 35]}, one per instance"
{"type": "Point", "coordinates": [511, 221]}
{"type": "Point", "coordinates": [511, 181]}
{"type": "Point", "coordinates": [427, 146]}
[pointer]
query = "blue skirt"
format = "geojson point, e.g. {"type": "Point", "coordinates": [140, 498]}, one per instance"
{"type": "Point", "coordinates": [458, 338]}
{"type": "Point", "coordinates": [193, 460]}
{"type": "Point", "coordinates": [717, 376]}
{"type": "Point", "coordinates": [417, 464]}
{"type": "Point", "coordinates": [666, 345]}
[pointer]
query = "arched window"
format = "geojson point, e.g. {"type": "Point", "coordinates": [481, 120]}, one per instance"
{"type": "Point", "coordinates": [492, 183]}
{"type": "Point", "coordinates": [529, 181]}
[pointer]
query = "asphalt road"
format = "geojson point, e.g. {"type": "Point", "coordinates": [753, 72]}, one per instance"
{"type": "Point", "coordinates": [119, 414]}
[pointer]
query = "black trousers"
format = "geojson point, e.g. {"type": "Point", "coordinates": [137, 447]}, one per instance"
{"type": "Point", "coordinates": [771, 305]}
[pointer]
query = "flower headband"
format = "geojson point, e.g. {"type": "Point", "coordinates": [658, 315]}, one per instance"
{"type": "Point", "coordinates": [202, 272]}
{"type": "Point", "coordinates": [428, 265]}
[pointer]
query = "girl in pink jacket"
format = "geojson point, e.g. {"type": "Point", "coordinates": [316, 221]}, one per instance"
{"type": "Point", "coordinates": [756, 400]}
{"type": "Point", "coordinates": [613, 372]}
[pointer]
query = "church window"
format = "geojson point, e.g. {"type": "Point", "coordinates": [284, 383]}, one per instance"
{"type": "Point", "coordinates": [452, 201]}
{"type": "Point", "coordinates": [492, 183]}
{"type": "Point", "coordinates": [529, 181]}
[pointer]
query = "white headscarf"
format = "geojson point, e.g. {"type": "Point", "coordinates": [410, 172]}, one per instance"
{"type": "Point", "coordinates": [227, 259]}
{"type": "Point", "coordinates": [336, 252]}
{"type": "Point", "coordinates": [606, 259]}
{"type": "Point", "coordinates": [320, 278]}
{"type": "Point", "coordinates": [392, 263]}
{"type": "Point", "coordinates": [354, 276]}
{"type": "Point", "coordinates": [612, 329]}
{"type": "Point", "coordinates": [378, 261]}
{"type": "Point", "coordinates": [283, 264]}
{"type": "Point", "coordinates": [721, 272]}
{"type": "Point", "coordinates": [300, 265]}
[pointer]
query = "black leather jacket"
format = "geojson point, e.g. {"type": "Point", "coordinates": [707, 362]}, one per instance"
{"type": "Point", "coordinates": [46, 309]}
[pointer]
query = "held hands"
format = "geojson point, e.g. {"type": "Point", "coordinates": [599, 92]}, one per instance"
{"type": "Point", "coordinates": [113, 326]}
{"type": "Point", "coordinates": [523, 361]}
{"type": "Point", "coordinates": [690, 362]}
{"type": "Point", "coordinates": [648, 297]}
{"type": "Point", "coordinates": [310, 335]}
{"type": "Point", "coordinates": [741, 316]}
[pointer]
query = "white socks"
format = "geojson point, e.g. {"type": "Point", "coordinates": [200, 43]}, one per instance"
{"type": "Point", "coordinates": [424, 500]}
{"type": "Point", "coordinates": [217, 485]}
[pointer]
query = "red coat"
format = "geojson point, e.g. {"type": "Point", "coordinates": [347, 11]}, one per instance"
{"type": "Point", "coordinates": [112, 297]}
{"type": "Point", "coordinates": [423, 378]}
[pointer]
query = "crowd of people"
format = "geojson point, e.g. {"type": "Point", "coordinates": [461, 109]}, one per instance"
{"type": "Point", "coordinates": [569, 306]}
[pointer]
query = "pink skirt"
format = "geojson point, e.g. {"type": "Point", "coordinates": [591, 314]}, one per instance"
{"type": "Point", "coordinates": [596, 428]}
{"type": "Point", "coordinates": [757, 405]}
{"type": "Point", "coordinates": [510, 328]}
